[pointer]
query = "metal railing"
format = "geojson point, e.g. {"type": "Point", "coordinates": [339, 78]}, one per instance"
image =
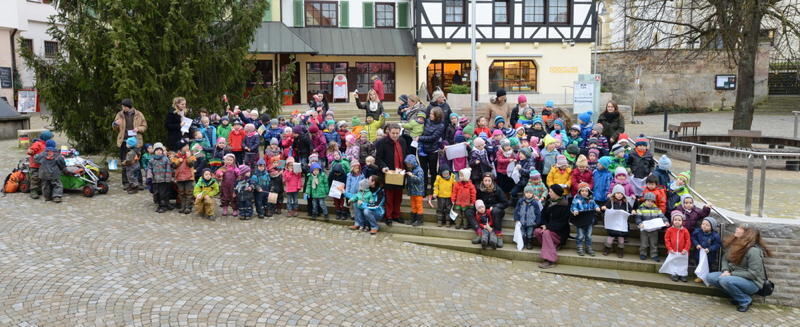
{"type": "Point", "coordinates": [796, 121]}
{"type": "Point", "coordinates": [751, 157]}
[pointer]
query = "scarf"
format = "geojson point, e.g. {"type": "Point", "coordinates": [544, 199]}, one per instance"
{"type": "Point", "coordinates": [314, 181]}
{"type": "Point", "coordinates": [398, 154]}
{"type": "Point", "coordinates": [373, 106]}
{"type": "Point", "coordinates": [508, 153]}
{"type": "Point", "coordinates": [641, 153]}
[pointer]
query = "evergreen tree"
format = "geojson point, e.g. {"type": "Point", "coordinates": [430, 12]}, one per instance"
{"type": "Point", "coordinates": [149, 51]}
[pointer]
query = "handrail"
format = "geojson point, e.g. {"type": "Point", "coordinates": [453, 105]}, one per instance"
{"type": "Point", "coordinates": [713, 147]}
{"type": "Point", "coordinates": [699, 196]}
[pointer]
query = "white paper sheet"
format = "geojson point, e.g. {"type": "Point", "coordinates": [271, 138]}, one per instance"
{"type": "Point", "coordinates": [653, 224]}
{"type": "Point", "coordinates": [131, 133]}
{"type": "Point", "coordinates": [187, 123]}
{"type": "Point", "coordinates": [638, 185]}
{"type": "Point", "coordinates": [676, 264]}
{"type": "Point", "coordinates": [453, 215]}
{"type": "Point", "coordinates": [702, 266]}
{"type": "Point", "coordinates": [336, 190]}
{"type": "Point", "coordinates": [515, 175]}
{"type": "Point", "coordinates": [518, 236]}
{"type": "Point", "coordinates": [616, 220]}
{"type": "Point", "coordinates": [414, 144]}
{"type": "Point", "coordinates": [455, 151]}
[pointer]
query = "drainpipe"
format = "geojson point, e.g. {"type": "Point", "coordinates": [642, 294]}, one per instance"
{"type": "Point", "coordinates": [13, 67]}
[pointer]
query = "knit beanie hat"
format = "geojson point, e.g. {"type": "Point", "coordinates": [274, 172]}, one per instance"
{"type": "Point", "coordinates": [225, 118]}
{"type": "Point", "coordinates": [598, 127]}
{"type": "Point", "coordinates": [549, 140]}
{"type": "Point", "coordinates": [411, 159]}
{"type": "Point", "coordinates": [573, 149]}
{"type": "Point", "coordinates": [582, 161]}
{"type": "Point", "coordinates": [349, 138]}
{"type": "Point", "coordinates": [355, 121]}
{"type": "Point", "coordinates": [221, 140]}
{"type": "Point", "coordinates": [623, 136]}
{"type": "Point", "coordinates": [364, 132]}
{"type": "Point", "coordinates": [535, 173]}
{"type": "Point", "coordinates": [261, 162]}
{"type": "Point", "coordinates": [50, 144]}
{"type": "Point", "coordinates": [620, 171]}
{"type": "Point", "coordinates": [127, 102]}
{"type": "Point", "coordinates": [513, 141]}
{"type": "Point", "coordinates": [592, 140]}
{"type": "Point", "coordinates": [422, 114]}
{"type": "Point", "coordinates": [463, 122]}
{"type": "Point", "coordinates": [159, 145]}
{"type": "Point", "coordinates": [685, 176]}
{"type": "Point", "coordinates": [229, 155]}
{"type": "Point", "coordinates": [664, 163]}
{"type": "Point", "coordinates": [479, 204]}
{"type": "Point", "coordinates": [363, 185]}
{"type": "Point", "coordinates": [330, 122]}
{"type": "Point", "coordinates": [499, 119]}
{"type": "Point", "coordinates": [453, 114]}
{"type": "Point", "coordinates": [561, 161]}
{"type": "Point", "coordinates": [575, 127]}
{"type": "Point", "coordinates": [712, 222]}
{"type": "Point", "coordinates": [316, 165]}
{"type": "Point", "coordinates": [522, 99]}
{"type": "Point", "coordinates": [586, 117]}
{"type": "Point", "coordinates": [686, 196]}
{"type": "Point", "coordinates": [595, 151]}
{"type": "Point", "coordinates": [605, 161]}
{"type": "Point", "coordinates": [273, 121]}
{"type": "Point", "coordinates": [584, 185]}
{"type": "Point", "coordinates": [464, 174]}
{"type": "Point", "coordinates": [641, 140]}
{"type": "Point", "coordinates": [529, 189]}
{"type": "Point", "coordinates": [478, 142]}
{"type": "Point", "coordinates": [243, 169]}
{"type": "Point", "coordinates": [505, 142]}
{"type": "Point", "coordinates": [617, 149]}
{"type": "Point", "coordinates": [527, 152]}
{"type": "Point", "coordinates": [618, 189]}
{"type": "Point", "coordinates": [510, 132]}
{"type": "Point", "coordinates": [537, 120]}
{"type": "Point", "coordinates": [649, 196]}
{"type": "Point", "coordinates": [500, 92]}
{"type": "Point", "coordinates": [469, 130]}
{"type": "Point", "coordinates": [497, 132]}
{"type": "Point", "coordinates": [549, 103]}
{"type": "Point", "coordinates": [297, 129]}
{"type": "Point", "coordinates": [131, 142]}
{"type": "Point", "coordinates": [46, 135]}
{"type": "Point", "coordinates": [675, 213]}
{"type": "Point", "coordinates": [313, 129]}
{"type": "Point", "coordinates": [559, 122]}
{"type": "Point", "coordinates": [557, 189]}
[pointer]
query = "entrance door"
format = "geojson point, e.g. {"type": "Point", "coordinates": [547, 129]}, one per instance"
{"type": "Point", "coordinates": [445, 73]}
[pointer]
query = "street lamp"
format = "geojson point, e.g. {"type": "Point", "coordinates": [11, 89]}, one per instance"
{"type": "Point", "coordinates": [473, 75]}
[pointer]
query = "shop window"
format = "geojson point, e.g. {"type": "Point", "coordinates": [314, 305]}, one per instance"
{"type": "Point", "coordinates": [512, 75]}
{"type": "Point", "coordinates": [442, 74]}
{"type": "Point", "coordinates": [384, 15]}
{"type": "Point", "coordinates": [319, 76]}
{"type": "Point", "coordinates": [322, 13]}
{"type": "Point", "coordinates": [384, 71]}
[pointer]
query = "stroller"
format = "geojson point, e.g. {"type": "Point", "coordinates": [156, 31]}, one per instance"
{"type": "Point", "coordinates": [83, 175]}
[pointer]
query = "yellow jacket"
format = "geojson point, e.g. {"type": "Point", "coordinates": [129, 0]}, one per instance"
{"type": "Point", "coordinates": [443, 188]}
{"type": "Point", "coordinates": [556, 176]}
{"type": "Point", "coordinates": [372, 129]}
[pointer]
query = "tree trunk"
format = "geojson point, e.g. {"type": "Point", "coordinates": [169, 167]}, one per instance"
{"type": "Point", "coordinates": [743, 111]}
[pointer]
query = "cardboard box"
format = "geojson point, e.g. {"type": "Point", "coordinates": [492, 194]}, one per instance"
{"type": "Point", "coordinates": [394, 177]}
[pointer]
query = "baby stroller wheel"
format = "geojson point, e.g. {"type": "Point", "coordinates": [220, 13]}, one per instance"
{"type": "Point", "coordinates": [88, 191]}
{"type": "Point", "coordinates": [103, 175]}
{"type": "Point", "coordinates": [102, 187]}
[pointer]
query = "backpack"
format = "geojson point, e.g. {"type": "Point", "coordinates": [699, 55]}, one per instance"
{"type": "Point", "coordinates": [13, 181]}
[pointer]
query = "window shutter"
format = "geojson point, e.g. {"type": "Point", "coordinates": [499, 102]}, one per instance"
{"type": "Point", "coordinates": [299, 16]}
{"type": "Point", "coordinates": [369, 14]}
{"type": "Point", "coordinates": [267, 12]}
{"type": "Point", "coordinates": [402, 15]}
{"type": "Point", "coordinates": [344, 12]}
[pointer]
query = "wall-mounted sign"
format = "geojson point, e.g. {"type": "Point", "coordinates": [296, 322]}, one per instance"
{"type": "Point", "coordinates": [27, 101]}
{"type": "Point", "coordinates": [5, 77]}
{"type": "Point", "coordinates": [340, 87]}
{"type": "Point", "coordinates": [725, 82]}
{"type": "Point", "coordinates": [564, 70]}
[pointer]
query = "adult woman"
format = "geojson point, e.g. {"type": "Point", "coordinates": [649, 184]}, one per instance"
{"type": "Point", "coordinates": [438, 100]}
{"type": "Point", "coordinates": [373, 106]}
{"type": "Point", "coordinates": [553, 228]}
{"type": "Point", "coordinates": [174, 122]}
{"type": "Point", "coordinates": [742, 272]}
{"type": "Point", "coordinates": [613, 122]}
{"type": "Point", "coordinates": [410, 111]}
{"type": "Point", "coordinates": [429, 143]}
{"type": "Point", "coordinates": [494, 198]}
{"type": "Point", "coordinates": [499, 106]}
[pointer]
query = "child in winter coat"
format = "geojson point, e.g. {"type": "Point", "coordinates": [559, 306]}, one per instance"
{"type": "Point", "coordinates": [484, 220]}
{"type": "Point", "coordinates": [662, 170]}
{"type": "Point", "coordinates": [539, 189]}
{"type": "Point", "coordinates": [649, 238]}
{"type": "Point", "coordinates": [352, 150]}
{"type": "Point", "coordinates": [479, 160]}
{"type": "Point", "coordinates": [616, 201]}
{"type": "Point", "coordinates": [678, 241]}
{"type": "Point", "coordinates": [228, 174]}
{"type": "Point", "coordinates": [359, 201]}
{"type": "Point", "coordinates": [244, 193]}
{"type": "Point", "coordinates": [160, 171]}
{"type": "Point", "coordinates": [618, 158]}
{"type": "Point", "coordinates": [351, 185]}
{"type": "Point", "coordinates": [372, 126]}
{"type": "Point", "coordinates": [236, 141]}
{"type": "Point", "coordinates": [224, 129]}
{"type": "Point", "coordinates": [316, 190]}
{"type": "Point", "coordinates": [549, 155]}
{"type": "Point", "coordinates": [131, 164]}
{"type": "Point", "coordinates": [292, 181]}
{"type": "Point", "coordinates": [463, 198]}
{"type": "Point", "coordinates": [505, 156]}
{"type": "Point", "coordinates": [416, 126]}
{"type": "Point", "coordinates": [276, 186]}
{"type": "Point", "coordinates": [679, 188]}
{"type": "Point", "coordinates": [319, 144]}
{"type": "Point", "coordinates": [584, 212]}
{"type": "Point", "coordinates": [693, 215]}
{"type": "Point", "coordinates": [602, 141]}
{"type": "Point", "coordinates": [592, 156]}
{"type": "Point", "coordinates": [144, 159]}
{"type": "Point", "coordinates": [261, 183]}
{"type": "Point", "coordinates": [183, 163]}
{"type": "Point", "coordinates": [621, 178]}
{"type": "Point", "coordinates": [51, 165]}
{"type": "Point", "coordinates": [365, 148]}
{"type": "Point", "coordinates": [218, 154]}
{"type": "Point", "coordinates": [38, 146]}
{"type": "Point", "coordinates": [204, 192]}
{"type": "Point", "coordinates": [528, 212]}
{"type": "Point", "coordinates": [560, 173]}
{"type": "Point", "coordinates": [581, 174]}
{"type": "Point", "coordinates": [250, 145]}
{"type": "Point", "coordinates": [602, 178]}
{"type": "Point", "coordinates": [370, 168]}
{"type": "Point", "coordinates": [338, 174]}
{"type": "Point", "coordinates": [442, 192]}
{"type": "Point", "coordinates": [651, 186]}
{"type": "Point", "coordinates": [641, 159]}
{"type": "Point", "coordinates": [415, 186]}
{"type": "Point", "coordinates": [524, 166]}
{"type": "Point", "coordinates": [706, 238]}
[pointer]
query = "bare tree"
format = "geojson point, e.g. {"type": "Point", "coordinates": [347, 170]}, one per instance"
{"type": "Point", "coordinates": [735, 26]}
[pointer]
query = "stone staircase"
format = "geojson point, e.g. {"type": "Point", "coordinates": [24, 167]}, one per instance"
{"type": "Point", "coordinates": [627, 270]}
{"type": "Point", "coordinates": [779, 104]}
{"type": "Point", "coordinates": [346, 111]}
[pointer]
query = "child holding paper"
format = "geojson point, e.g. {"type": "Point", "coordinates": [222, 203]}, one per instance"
{"type": "Point", "coordinates": [292, 181]}
{"type": "Point", "coordinates": [616, 201]}
{"type": "Point", "coordinates": [648, 236]}
{"type": "Point", "coordinates": [583, 211]}
{"type": "Point", "coordinates": [677, 241]}
{"type": "Point", "coordinates": [316, 190]}
{"type": "Point", "coordinates": [463, 198]}
{"type": "Point", "coordinates": [275, 186]}
{"type": "Point", "coordinates": [338, 174]}
{"type": "Point", "coordinates": [707, 239]}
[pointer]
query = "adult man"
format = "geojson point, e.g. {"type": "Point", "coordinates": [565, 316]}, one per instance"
{"type": "Point", "coordinates": [390, 152]}
{"type": "Point", "coordinates": [128, 122]}
{"type": "Point", "coordinates": [377, 85]}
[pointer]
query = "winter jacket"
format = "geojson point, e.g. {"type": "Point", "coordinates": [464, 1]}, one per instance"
{"type": "Point", "coordinates": [139, 122]}
{"type": "Point", "coordinates": [292, 181]}
{"type": "Point", "coordinates": [480, 164]}
{"type": "Point", "coordinates": [527, 212]}
{"type": "Point", "coordinates": [431, 138]}
{"type": "Point", "coordinates": [365, 149]}
{"type": "Point", "coordinates": [37, 147]}
{"type": "Point", "coordinates": [251, 142]}
{"type": "Point", "coordinates": [342, 162]}
{"type": "Point", "coordinates": [244, 190]}
{"type": "Point", "coordinates": [414, 128]}
{"type": "Point", "coordinates": [368, 107]}
{"type": "Point", "coordinates": [173, 126]}
{"type": "Point", "coordinates": [693, 218]}
{"type": "Point", "coordinates": [415, 184]}
{"type": "Point", "coordinates": [352, 153]}
{"type": "Point", "coordinates": [549, 159]}
{"type": "Point", "coordinates": [710, 241]}
{"type": "Point", "coordinates": [270, 133]}
{"type": "Point", "coordinates": [577, 177]}
{"type": "Point", "coordinates": [663, 176]}
{"type": "Point", "coordinates": [236, 140]}
{"type": "Point", "coordinates": [555, 216]}
{"type": "Point", "coordinates": [332, 136]}
{"type": "Point", "coordinates": [183, 166]}
{"type": "Point", "coordinates": [558, 176]}
{"type": "Point", "coordinates": [320, 191]}
{"type": "Point", "coordinates": [586, 208]}
{"type": "Point", "coordinates": [372, 128]}
{"type": "Point", "coordinates": [443, 188]}
{"type": "Point", "coordinates": [464, 194]}
{"type": "Point", "coordinates": [319, 144]}
{"type": "Point", "coordinates": [301, 146]}
{"type": "Point", "coordinates": [209, 134]}
{"type": "Point", "coordinates": [276, 183]}
{"type": "Point", "coordinates": [160, 169]}
{"type": "Point", "coordinates": [492, 199]}
{"type": "Point", "coordinates": [626, 185]}
{"type": "Point", "coordinates": [384, 156]}
{"type": "Point", "coordinates": [446, 111]}
{"type": "Point", "coordinates": [224, 131]}
{"type": "Point", "coordinates": [206, 187]}
{"type": "Point", "coordinates": [645, 213]}
{"type": "Point", "coordinates": [351, 185]}
{"type": "Point", "coordinates": [261, 180]}
{"type": "Point", "coordinates": [677, 239]}
{"type": "Point", "coordinates": [501, 162]}
{"type": "Point", "coordinates": [661, 197]}
{"type": "Point", "coordinates": [751, 266]}
{"type": "Point", "coordinates": [484, 219]}
{"type": "Point", "coordinates": [601, 184]}
{"type": "Point", "coordinates": [641, 166]}
{"type": "Point", "coordinates": [613, 124]}
{"type": "Point", "coordinates": [51, 164]}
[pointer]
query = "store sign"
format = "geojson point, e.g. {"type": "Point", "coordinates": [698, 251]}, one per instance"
{"type": "Point", "coordinates": [5, 77]}
{"type": "Point", "coordinates": [564, 70]}
{"type": "Point", "coordinates": [340, 87]}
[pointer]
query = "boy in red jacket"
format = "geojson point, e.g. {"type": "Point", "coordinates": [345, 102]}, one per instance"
{"type": "Point", "coordinates": [678, 241]}
{"type": "Point", "coordinates": [463, 198]}
{"type": "Point", "coordinates": [651, 186]}
{"type": "Point", "coordinates": [236, 141]}
{"type": "Point", "coordinates": [37, 147]}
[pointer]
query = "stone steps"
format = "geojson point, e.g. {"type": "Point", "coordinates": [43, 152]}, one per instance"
{"type": "Point", "coordinates": [779, 104]}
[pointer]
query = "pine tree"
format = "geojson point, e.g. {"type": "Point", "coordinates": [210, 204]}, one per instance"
{"type": "Point", "coordinates": [149, 51]}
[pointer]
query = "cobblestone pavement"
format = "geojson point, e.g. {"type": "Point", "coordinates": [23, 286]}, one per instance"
{"type": "Point", "coordinates": [110, 260]}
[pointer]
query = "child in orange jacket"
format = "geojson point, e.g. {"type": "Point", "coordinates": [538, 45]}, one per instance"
{"type": "Point", "coordinates": [678, 241]}
{"type": "Point", "coordinates": [651, 186]}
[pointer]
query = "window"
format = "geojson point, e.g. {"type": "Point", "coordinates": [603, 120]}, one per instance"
{"type": "Point", "coordinates": [512, 75]}
{"type": "Point", "coordinates": [533, 11]}
{"type": "Point", "coordinates": [384, 71]}
{"type": "Point", "coordinates": [319, 76]}
{"type": "Point", "coordinates": [50, 49]}
{"type": "Point", "coordinates": [263, 68]}
{"type": "Point", "coordinates": [27, 44]}
{"type": "Point", "coordinates": [558, 11]}
{"type": "Point", "coordinates": [501, 12]}
{"type": "Point", "coordinates": [320, 13]}
{"type": "Point", "coordinates": [384, 15]}
{"type": "Point", "coordinates": [454, 11]}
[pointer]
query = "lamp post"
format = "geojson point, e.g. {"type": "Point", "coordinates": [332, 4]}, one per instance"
{"type": "Point", "coordinates": [473, 74]}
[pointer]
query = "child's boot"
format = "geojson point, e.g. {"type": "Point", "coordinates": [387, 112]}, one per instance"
{"type": "Point", "coordinates": [580, 250]}
{"type": "Point", "coordinates": [224, 211]}
{"type": "Point", "coordinates": [606, 249]}
{"type": "Point", "coordinates": [57, 199]}
{"type": "Point", "coordinates": [529, 244]}
{"type": "Point", "coordinates": [620, 251]}
{"type": "Point", "coordinates": [590, 251]}
{"type": "Point", "coordinates": [235, 213]}
{"type": "Point", "coordinates": [278, 209]}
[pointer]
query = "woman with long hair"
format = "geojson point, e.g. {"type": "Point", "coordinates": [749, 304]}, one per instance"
{"type": "Point", "coordinates": [494, 198]}
{"type": "Point", "coordinates": [174, 122]}
{"type": "Point", "coordinates": [429, 143]}
{"type": "Point", "coordinates": [743, 271]}
{"type": "Point", "coordinates": [613, 122]}
{"type": "Point", "coordinates": [373, 105]}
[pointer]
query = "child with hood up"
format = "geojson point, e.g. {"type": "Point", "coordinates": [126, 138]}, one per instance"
{"type": "Point", "coordinates": [616, 201]}
{"type": "Point", "coordinates": [601, 178]}
{"type": "Point", "coordinates": [339, 174]}
{"type": "Point", "coordinates": [442, 192]}
{"type": "Point", "coordinates": [528, 211]}
{"type": "Point", "coordinates": [463, 198]}
{"type": "Point", "coordinates": [316, 190]}
{"type": "Point", "coordinates": [292, 182]}
{"type": "Point", "coordinates": [706, 238]}
{"type": "Point", "coordinates": [662, 170]}
{"type": "Point", "coordinates": [245, 193]}
{"type": "Point", "coordinates": [261, 182]}
{"type": "Point", "coordinates": [560, 173]}
{"type": "Point", "coordinates": [204, 192]}
{"type": "Point", "coordinates": [584, 210]}
{"type": "Point", "coordinates": [479, 160]}
{"type": "Point", "coordinates": [352, 151]}
{"type": "Point", "coordinates": [228, 175]}
{"type": "Point", "coordinates": [415, 186]}
{"type": "Point", "coordinates": [51, 165]}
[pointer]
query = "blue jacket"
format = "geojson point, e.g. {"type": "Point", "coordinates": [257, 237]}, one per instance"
{"type": "Point", "coordinates": [332, 136]}
{"type": "Point", "coordinates": [209, 133]}
{"type": "Point", "coordinates": [710, 241]}
{"type": "Point", "coordinates": [260, 180]}
{"type": "Point", "coordinates": [527, 212]}
{"type": "Point", "coordinates": [271, 133]}
{"type": "Point", "coordinates": [549, 159]}
{"type": "Point", "coordinates": [351, 186]}
{"type": "Point", "coordinates": [415, 184]}
{"type": "Point", "coordinates": [602, 183]}
{"type": "Point", "coordinates": [663, 176]}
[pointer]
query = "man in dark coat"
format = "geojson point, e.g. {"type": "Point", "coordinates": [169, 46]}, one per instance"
{"type": "Point", "coordinates": [389, 154]}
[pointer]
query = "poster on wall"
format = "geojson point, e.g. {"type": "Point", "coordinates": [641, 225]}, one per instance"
{"type": "Point", "coordinates": [725, 82]}
{"type": "Point", "coordinates": [583, 97]}
{"type": "Point", "coordinates": [27, 101]}
{"type": "Point", "coordinates": [340, 87]}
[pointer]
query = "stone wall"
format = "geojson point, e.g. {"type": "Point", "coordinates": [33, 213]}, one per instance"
{"type": "Point", "coordinates": [683, 77]}
{"type": "Point", "coordinates": [782, 236]}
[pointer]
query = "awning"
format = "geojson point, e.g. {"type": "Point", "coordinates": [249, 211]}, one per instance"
{"type": "Point", "coordinates": [275, 37]}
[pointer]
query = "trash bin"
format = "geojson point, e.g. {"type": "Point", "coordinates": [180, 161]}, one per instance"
{"type": "Point", "coordinates": [287, 97]}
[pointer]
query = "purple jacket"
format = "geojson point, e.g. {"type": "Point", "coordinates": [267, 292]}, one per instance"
{"type": "Point", "coordinates": [693, 217]}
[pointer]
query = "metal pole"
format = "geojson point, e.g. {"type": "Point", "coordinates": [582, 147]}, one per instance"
{"type": "Point", "coordinates": [748, 198]}
{"type": "Point", "coordinates": [473, 72]}
{"type": "Point", "coordinates": [693, 165]}
{"type": "Point", "coordinates": [666, 117]}
{"type": "Point", "coordinates": [796, 118]}
{"type": "Point", "coordinates": [763, 186]}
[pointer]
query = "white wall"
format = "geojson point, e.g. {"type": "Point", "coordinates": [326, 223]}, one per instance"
{"type": "Point", "coordinates": [33, 21]}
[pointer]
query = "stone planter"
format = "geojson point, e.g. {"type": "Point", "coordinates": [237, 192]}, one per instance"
{"type": "Point", "coordinates": [459, 103]}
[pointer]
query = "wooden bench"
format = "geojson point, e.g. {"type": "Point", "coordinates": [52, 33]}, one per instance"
{"type": "Point", "coordinates": [674, 130]}
{"type": "Point", "coordinates": [25, 136]}
{"type": "Point", "coordinates": [743, 133]}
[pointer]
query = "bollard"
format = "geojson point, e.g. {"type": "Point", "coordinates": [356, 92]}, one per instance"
{"type": "Point", "coordinates": [748, 198]}
{"type": "Point", "coordinates": [763, 186]}
{"type": "Point", "coordinates": [666, 117]}
{"type": "Point", "coordinates": [693, 165]}
{"type": "Point", "coordinates": [796, 121]}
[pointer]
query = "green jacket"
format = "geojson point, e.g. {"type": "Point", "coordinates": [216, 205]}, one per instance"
{"type": "Point", "coordinates": [344, 162]}
{"type": "Point", "coordinates": [322, 188]}
{"type": "Point", "coordinates": [751, 267]}
{"type": "Point", "coordinates": [414, 128]}
{"type": "Point", "coordinates": [210, 187]}
{"type": "Point", "coordinates": [224, 131]}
